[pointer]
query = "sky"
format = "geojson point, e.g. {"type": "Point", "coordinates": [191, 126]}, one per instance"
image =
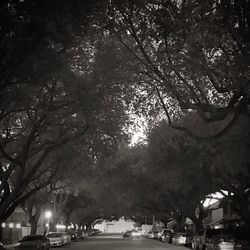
{"type": "Point", "coordinates": [138, 130]}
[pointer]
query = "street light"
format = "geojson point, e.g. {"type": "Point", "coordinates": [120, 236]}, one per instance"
{"type": "Point", "coordinates": [48, 215]}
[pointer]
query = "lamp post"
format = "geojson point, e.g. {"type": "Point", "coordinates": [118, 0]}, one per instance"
{"type": "Point", "coordinates": [48, 215]}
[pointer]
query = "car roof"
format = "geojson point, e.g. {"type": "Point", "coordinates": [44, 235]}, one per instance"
{"type": "Point", "coordinates": [33, 237]}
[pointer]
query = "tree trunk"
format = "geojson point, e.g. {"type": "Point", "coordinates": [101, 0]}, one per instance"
{"type": "Point", "coordinates": [244, 209]}
{"type": "Point", "coordinates": [33, 219]}
{"type": "Point", "coordinates": [67, 220]}
{"type": "Point", "coordinates": [33, 224]}
{"type": "Point", "coordinates": [198, 221]}
{"type": "Point", "coordinates": [180, 219]}
{"type": "Point", "coordinates": [240, 205]}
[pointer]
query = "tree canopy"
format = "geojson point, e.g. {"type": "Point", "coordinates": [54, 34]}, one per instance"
{"type": "Point", "coordinates": [189, 55]}
{"type": "Point", "coordinates": [49, 99]}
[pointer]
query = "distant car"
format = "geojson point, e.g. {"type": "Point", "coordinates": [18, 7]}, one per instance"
{"type": "Point", "coordinates": [167, 235]}
{"type": "Point", "coordinates": [127, 234]}
{"type": "Point", "coordinates": [74, 236]}
{"type": "Point", "coordinates": [55, 239]}
{"type": "Point", "coordinates": [155, 234]}
{"type": "Point", "coordinates": [222, 242]}
{"type": "Point", "coordinates": [97, 231]}
{"type": "Point", "coordinates": [80, 235]}
{"type": "Point", "coordinates": [136, 234]}
{"type": "Point", "coordinates": [34, 242]}
{"type": "Point", "coordinates": [94, 231]}
{"type": "Point", "coordinates": [150, 235]}
{"type": "Point", "coordinates": [182, 239]}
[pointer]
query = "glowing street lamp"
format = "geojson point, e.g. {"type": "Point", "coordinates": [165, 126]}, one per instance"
{"type": "Point", "coordinates": [48, 215]}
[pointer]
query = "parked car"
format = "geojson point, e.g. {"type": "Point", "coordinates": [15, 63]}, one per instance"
{"type": "Point", "coordinates": [97, 231]}
{"type": "Point", "coordinates": [127, 234]}
{"type": "Point", "coordinates": [153, 234]}
{"type": "Point", "coordinates": [74, 235]}
{"type": "Point", "coordinates": [181, 238]}
{"type": "Point", "coordinates": [34, 242]}
{"type": "Point", "coordinates": [55, 239]}
{"type": "Point", "coordinates": [150, 235]}
{"type": "Point", "coordinates": [167, 235]}
{"type": "Point", "coordinates": [200, 239]}
{"type": "Point", "coordinates": [136, 234]}
{"type": "Point", "coordinates": [1, 246]}
{"type": "Point", "coordinates": [222, 242]}
{"type": "Point", "coordinates": [94, 231]}
{"type": "Point", "coordinates": [66, 238]}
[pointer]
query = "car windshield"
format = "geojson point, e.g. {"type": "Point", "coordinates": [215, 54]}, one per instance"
{"type": "Point", "coordinates": [32, 238]}
{"type": "Point", "coordinates": [167, 231]}
{"type": "Point", "coordinates": [50, 235]}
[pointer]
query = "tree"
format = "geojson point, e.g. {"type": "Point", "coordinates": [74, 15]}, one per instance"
{"type": "Point", "coordinates": [189, 55]}
{"type": "Point", "coordinates": [230, 167]}
{"type": "Point", "coordinates": [181, 169]}
{"type": "Point", "coordinates": [33, 208]}
{"type": "Point", "coordinates": [81, 201]}
{"type": "Point", "coordinates": [191, 170]}
{"type": "Point", "coordinates": [46, 103]}
{"type": "Point", "coordinates": [35, 204]}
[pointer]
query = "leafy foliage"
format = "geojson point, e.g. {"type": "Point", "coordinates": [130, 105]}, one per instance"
{"type": "Point", "coordinates": [187, 54]}
{"type": "Point", "coordinates": [46, 101]}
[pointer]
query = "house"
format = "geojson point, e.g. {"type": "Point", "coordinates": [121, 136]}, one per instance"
{"type": "Point", "coordinates": [221, 215]}
{"type": "Point", "coordinates": [15, 227]}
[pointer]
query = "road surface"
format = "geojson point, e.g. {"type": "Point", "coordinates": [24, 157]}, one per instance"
{"type": "Point", "coordinates": [117, 243]}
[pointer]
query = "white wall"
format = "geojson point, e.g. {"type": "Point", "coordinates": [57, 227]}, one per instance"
{"type": "Point", "coordinates": [115, 226]}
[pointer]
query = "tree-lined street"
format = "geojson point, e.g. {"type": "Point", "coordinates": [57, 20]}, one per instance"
{"type": "Point", "coordinates": [80, 80]}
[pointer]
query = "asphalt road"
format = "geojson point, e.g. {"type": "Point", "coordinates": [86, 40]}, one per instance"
{"type": "Point", "coordinates": [117, 243]}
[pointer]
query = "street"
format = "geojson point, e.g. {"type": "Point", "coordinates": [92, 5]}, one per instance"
{"type": "Point", "coordinates": [117, 243]}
